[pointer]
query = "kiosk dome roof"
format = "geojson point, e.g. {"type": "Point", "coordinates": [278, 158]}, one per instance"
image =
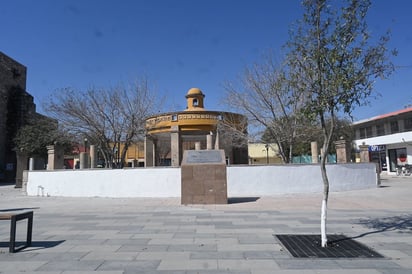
{"type": "Point", "coordinates": [195, 91]}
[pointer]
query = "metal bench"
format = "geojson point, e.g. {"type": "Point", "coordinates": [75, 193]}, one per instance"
{"type": "Point", "coordinates": [14, 217]}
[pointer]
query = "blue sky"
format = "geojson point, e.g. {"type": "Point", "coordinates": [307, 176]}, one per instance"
{"type": "Point", "coordinates": [178, 44]}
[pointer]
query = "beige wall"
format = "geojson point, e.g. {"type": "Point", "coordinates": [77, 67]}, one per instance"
{"type": "Point", "coordinates": [259, 156]}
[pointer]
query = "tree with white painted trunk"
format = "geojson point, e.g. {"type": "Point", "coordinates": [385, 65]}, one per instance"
{"type": "Point", "coordinates": [333, 59]}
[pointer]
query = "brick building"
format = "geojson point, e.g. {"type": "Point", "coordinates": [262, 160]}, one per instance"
{"type": "Point", "coordinates": [16, 106]}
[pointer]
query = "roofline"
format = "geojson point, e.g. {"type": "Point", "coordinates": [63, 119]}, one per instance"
{"type": "Point", "coordinates": [390, 114]}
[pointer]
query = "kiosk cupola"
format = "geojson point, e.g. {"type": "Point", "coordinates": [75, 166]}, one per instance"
{"type": "Point", "coordinates": [194, 99]}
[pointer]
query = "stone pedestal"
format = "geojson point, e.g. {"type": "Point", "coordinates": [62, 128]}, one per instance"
{"type": "Point", "coordinates": [314, 152]}
{"type": "Point", "coordinates": [55, 157]}
{"type": "Point", "coordinates": [204, 179]}
{"type": "Point", "coordinates": [364, 153]}
{"type": "Point", "coordinates": [342, 151]}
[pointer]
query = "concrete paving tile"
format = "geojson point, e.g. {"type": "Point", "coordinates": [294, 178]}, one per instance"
{"type": "Point", "coordinates": [393, 254]}
{"type": "Point", "coordinates": [58, 256]}
{"type": "Point", "coordinates": [88, 248]}
{"type": "Point", "coordinates": [151, 271]}
{"type": "Point", "coordinates": [219, 241]}
{"type": "Point", "coordinates": [293, 263]}
{"type": "Point", "coordinates": [153, 235]}
{"type": "Point", "coordinates": [404, 262]}
{"type": "Point", "coordinates": [188, 265]}
{"type": "Point", "coordinates": [287, 271]}
{"type": "Point", "coordinates": [218, 255]}
{"type": "Point", "coordinates": [101, 255]}
{"type": "Point", "coordinates": [396, 271]}
{"type": "Point", "coordinates": [345, 271]}
{"type": "Point", "coordinates": [20, 266]}
{"type": "Point", "coordinates": [253, 239]}
{"type": "Point", "coordinates": [105, 236]}
{"type": "Point", "coordinates": [218, 271]}
{"type": "Point", "coordinates": [127, 266]}
{"type": "Point", "coordinates": [92, 272]}
{"type": "Point", "coordinates": [171, 241]}
{"type": "Point", "coordinates": [163, 255]}
{"type": "Point", "coordinates": [249, 247]}
{"type": "Point", "coordinates": [371, 263]}
{"type": "Point", "coordinates": [74, 265]}
{"type": "Point", "coordinates": [37, 272]}
{"type": "Point", "coordinates": [254, 255]}
{"type": "Point", "coordinates": [143, 248]}
{"type": "Point", "coordinates": [247, 264]}
{"type": "Point", "coordinates": [125, 241]}
{"type": "Point", "coordinates": [20, 256]}
{"type": "Point", "coordinates": [193, 235]}
{"type": "Point", "coordinates": [194, 247]}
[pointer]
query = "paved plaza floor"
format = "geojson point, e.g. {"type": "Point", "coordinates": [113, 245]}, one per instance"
{"type": "Point", "coordinates": [158, 235]}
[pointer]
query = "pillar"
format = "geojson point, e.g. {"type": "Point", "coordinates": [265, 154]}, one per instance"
{"type": "Point", "coordinates": [197, 146]}
{"type": "Point", "coordinates": [31, 163]}
{"type": "Point", "coordinates": [342, 151]}
{"type": "Point", "coordinates": [209, 141]}
{"type": "Point", "coordinates": [93, 156]}
{"type": "Point", "coordinates": [364, 153]}
{"type": "Point", "coordinates": [314, 152]}
{"type": "Point", "coordinates": [175, 145]}
{"type": "Point", "coordinates": [217, 141]}
{"type": "Point", "coordinates": [84, 160]}
{"type": "Point", "coordinates": [149, 150]}
{"type": "Point", "coordinates": [55, 157]}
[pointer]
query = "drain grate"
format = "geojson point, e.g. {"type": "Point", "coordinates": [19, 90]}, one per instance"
{"type": "Point", "coordinates": [339, 246]}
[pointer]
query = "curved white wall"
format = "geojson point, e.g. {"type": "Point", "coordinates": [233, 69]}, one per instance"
{"type": "Point", "coordinates": [243, 181]}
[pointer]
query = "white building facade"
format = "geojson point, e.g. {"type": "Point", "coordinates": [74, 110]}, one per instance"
{"type": "Point", "coordinates": [389, 137]}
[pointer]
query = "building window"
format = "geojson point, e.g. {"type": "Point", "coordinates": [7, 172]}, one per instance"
{"type": "Point", "coordinates": [362, 133]}
{"type": "Point", "coordinates": [394, 127]}
{"type": "Point", "coordinates": [408, 124]}
{"type": "Point", "coordinates": [369, 132]}
{"type": "Point", "coordinates": [380, 130]}
{"type": "Point", "coordinates": [195, 103]}
{"type": "Point", "coordinates": [174, 117]}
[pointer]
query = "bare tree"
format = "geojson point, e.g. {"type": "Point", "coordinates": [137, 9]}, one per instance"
{"type": "Point", "coordinates": [269, 102]}
{"type": "Point", "coordinates": [111, 118]}
{"type": "Point", "coordinates": [334, 62]}
{"type": "Point", "coordinates": [232, 129]}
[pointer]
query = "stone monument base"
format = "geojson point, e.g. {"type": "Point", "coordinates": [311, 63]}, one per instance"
{"type": "Point", "coordinates": [203, 175]}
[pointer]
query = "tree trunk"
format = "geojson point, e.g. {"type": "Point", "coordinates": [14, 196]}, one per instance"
{"type": "Point", "coordinates": [324, 200]}
{"type": "Point", "coordinates": [327, 138]}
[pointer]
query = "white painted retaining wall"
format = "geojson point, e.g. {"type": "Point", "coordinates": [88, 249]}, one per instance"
{"type": "Point", "coordinates": [243, 181]}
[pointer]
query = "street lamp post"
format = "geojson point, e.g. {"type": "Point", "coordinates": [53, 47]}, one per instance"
{"type": "Point", "coordinates": [85, 145]}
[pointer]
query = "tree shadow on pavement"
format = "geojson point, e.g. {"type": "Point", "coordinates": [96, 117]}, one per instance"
{"type": "Point", "coordinates": [400, 224]}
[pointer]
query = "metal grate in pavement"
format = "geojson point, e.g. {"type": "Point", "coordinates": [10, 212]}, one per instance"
{"type": "Point", "coordinates": [339, 246]}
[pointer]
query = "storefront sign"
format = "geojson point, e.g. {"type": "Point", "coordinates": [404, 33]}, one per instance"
{"type": "Point", "coordinates": [377, 148]}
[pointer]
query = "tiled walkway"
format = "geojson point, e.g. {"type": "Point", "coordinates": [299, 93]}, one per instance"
{"type": "Point", "coordinates": [106, 235]}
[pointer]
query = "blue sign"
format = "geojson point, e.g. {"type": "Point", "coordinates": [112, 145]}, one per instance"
{"type": "Point", "coordinates": [377, 148]}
